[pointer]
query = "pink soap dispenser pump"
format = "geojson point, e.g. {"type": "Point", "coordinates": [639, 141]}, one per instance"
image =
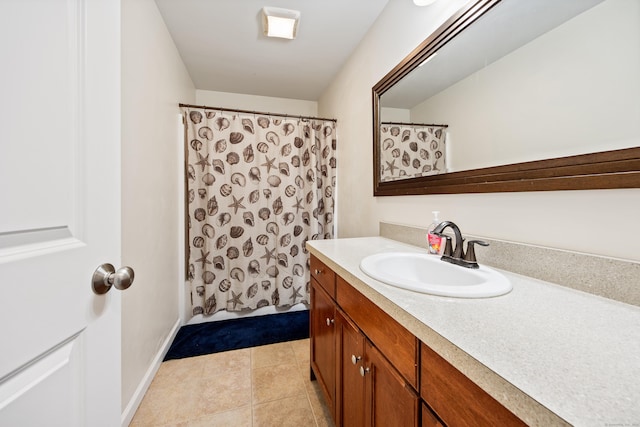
{"type": "Point", "coordinates": [434, 240]}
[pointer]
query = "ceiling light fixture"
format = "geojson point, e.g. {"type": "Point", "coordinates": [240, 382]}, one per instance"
{"type": "Point", "coordinates": [282, 23]}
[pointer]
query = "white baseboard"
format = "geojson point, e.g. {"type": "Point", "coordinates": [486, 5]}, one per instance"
{"type": "Point", "coordinates": [136, 399]}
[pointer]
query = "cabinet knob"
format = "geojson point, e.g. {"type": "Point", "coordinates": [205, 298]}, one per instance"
{"type": "Point", "coordinates": [316, 271]}
{"type": "Point", "coordinates": [330, 321]}
{"type": "Point", "coordinates": [363, 371]}
{"type": "Point", "coordinates": [355, 359]}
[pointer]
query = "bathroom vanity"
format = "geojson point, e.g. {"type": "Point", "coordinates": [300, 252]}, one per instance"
{"type": "Point", "coordinates": [540, 355]}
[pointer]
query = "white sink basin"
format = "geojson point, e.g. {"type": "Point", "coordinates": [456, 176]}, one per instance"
{"type": "Point", "coordinates": [428, 274]}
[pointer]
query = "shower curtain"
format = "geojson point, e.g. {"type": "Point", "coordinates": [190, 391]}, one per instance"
{"type": "Point", "coordinates": [258, 188]}
{"type": "Point", "coordinates": [410, 150]}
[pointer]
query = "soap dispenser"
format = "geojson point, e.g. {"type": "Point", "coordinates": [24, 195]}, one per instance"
{"type": "Point", "coordinates": [435, 241]}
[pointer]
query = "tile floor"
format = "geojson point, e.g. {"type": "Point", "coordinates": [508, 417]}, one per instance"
{"type": "Point", "coordinates": [254, 387]}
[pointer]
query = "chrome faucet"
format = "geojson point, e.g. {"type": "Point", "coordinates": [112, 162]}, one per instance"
{"type": "Point", "coordinates": [458, 256]}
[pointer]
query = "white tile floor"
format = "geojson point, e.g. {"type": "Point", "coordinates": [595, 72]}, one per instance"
{"type": "Point", "coordinates": [255, 387]}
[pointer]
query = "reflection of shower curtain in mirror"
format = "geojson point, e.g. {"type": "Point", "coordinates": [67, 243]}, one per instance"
{"type": "Point", "coordinates": [258, 188]}
{"type": "Point", "coordinates": [410, 150]}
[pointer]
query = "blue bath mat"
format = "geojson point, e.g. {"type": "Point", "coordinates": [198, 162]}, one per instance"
{"type": "Point", "coordinates": [214, 337]}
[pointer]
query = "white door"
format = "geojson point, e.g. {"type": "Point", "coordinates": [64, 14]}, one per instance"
{"type": "Point", "coordinates": [59, 212]}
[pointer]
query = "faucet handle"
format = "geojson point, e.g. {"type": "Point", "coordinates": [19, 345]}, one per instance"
{"type": "Point", "coordinates": [448, 250]}
{"type": "Point", "coordinates": [470, 256]}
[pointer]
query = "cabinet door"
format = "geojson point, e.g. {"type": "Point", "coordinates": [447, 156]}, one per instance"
{"type": "Point", "coordinates": [323, 342]}
{"type": "Point", "coordinates": [391, 401]}
{"type": "Point", "coordinates": [351, 396]}
{"type": "Point", "coordinates": [456, 399]}
{"type": "Point", "coordinates": [429, 419]}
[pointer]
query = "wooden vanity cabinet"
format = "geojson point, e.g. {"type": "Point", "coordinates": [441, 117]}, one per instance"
{"type": "Point", "coordinates": [456, 399]}
{"type": "Point", "coordinates": [386, 357]}
{"type": "Point", "coordinates": [351, 386]}
{"type": "Point", "coordinates": [396, 343]}
{"type": "Point", "coordinates": [322, 325]}
{"type": "Point", "coordinates": [371, 391]}
{"type": "Point", "coordinates": [349, 357]}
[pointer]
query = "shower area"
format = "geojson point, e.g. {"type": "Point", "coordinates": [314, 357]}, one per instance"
{"type": "Point", "coordinates": [412, 149]}
{"type": "Point", "coordinates": [257, 187]}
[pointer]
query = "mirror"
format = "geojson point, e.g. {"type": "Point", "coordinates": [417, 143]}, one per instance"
{"type": "Point", "coordinates": [514, 95]}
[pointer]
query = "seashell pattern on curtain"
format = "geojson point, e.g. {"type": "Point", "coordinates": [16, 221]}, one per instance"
{"type": "Point", "coordinates": [258, 187]}
{"type": "Point", "coordinates": [408, 151]}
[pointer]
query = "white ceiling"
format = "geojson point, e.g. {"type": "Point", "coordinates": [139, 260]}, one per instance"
{"type": "Point", "coordinates": [222, 45]}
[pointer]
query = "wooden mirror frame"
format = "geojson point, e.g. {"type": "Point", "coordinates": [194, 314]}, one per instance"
{"type": "Point", "coordinates": [601, 170]}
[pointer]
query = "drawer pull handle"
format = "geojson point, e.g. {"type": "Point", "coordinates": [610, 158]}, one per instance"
{"type": "Point", "coordinates": [363, 371]}
{"type": "Point", "coordinates": [330, 321]}
{"type": "Point", "coordinates": [355, 359]}
{"type": "Point", "coordinates": [317, 272]}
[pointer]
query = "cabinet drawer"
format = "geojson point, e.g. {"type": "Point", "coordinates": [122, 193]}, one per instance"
{"type": "Point", "coordinates": [455, 398]}
{"type": "Point", "coordinates": [324, 276]}
{"type": "Point", "coordinates": [397, 344]}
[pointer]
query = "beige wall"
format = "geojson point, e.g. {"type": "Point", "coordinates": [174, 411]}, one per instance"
{"type": "Point", "coordinates": [154, 80]}
{"type": "Point", "coordinates": [601, 222]}
{"type": "Point", "coordinates": [401, 115]}
{"type": "Point", "coordinates": [265, 104]}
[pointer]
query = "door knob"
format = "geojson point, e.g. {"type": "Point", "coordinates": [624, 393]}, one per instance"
{"type": "Point", "coordinates": [106, 276]}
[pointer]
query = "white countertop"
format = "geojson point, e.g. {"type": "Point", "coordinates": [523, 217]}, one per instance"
{"type": "Point", "coordinates": [543, 350]}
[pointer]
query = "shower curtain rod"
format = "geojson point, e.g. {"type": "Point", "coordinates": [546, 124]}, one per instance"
{"type": "Point", "coordinates": [413, 124]}
{"type": "Point", "coordinates": [237, 110]}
